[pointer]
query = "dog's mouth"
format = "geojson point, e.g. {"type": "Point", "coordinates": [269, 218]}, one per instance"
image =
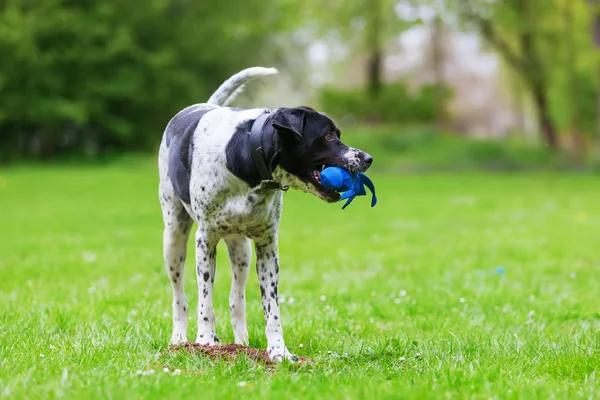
{"type": "Point", "coordinates": [331, 196]}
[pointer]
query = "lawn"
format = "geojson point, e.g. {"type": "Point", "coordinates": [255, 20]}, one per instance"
{"type": "Point", "coordinates": [454, 286]}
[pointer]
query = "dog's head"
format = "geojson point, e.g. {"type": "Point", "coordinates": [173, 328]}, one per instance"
{"type": "Point", "coordinates": [310, 141]}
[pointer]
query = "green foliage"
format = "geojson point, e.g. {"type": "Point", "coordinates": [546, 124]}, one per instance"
{"type": "Point", "coordinates": [363, 23]}
{"type": "Point", "coordinates": [547, 44]}
{"type": "Point", "coordinates": [110, 74]}
{"type": "Point", "coordinates": [396, 103]}
{"type": "Point", "coordinates": [414, 306]}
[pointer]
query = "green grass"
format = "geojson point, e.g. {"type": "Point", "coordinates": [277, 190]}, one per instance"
{"type": "Point", "coordinates": [414, 304]}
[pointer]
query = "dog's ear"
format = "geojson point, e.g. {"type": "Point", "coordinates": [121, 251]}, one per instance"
{"type": "Point", "coordinates": [290, 121]}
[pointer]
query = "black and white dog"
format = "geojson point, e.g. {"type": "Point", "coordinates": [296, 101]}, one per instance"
{"type": "Point", "coordinates": [226, 169]}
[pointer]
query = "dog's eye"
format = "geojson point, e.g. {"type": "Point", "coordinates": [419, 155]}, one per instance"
{"type": "Point", "coordinates": [329, 137]}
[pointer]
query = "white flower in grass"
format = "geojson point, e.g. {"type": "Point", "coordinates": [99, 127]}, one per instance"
{"type": "Point", "coordinates": [42, 356]}
{"type": "Point", "coordinates": [462, 300]}
{"type": "Point", "coordinates": [145, 373]}
{"type": "Point", "coordinates": [166, 370]}
{"type": "Point", "coordinates": [418, 355]}
{"type": "Point", "coordinates": [65, 377]}
{"type": "Point", "coordinates": [177, 372]}
{"type": "Point", "coordinates": [402, 359]}
{"type": "Point", "coordinates": [402, 293]}
{"type": "Point", "coordinates": [572, 275]}
{"type": "Point", "coordinates": [242, 384]}
{"type": "Point", "coordinates": [301, 345]}
{"type": "Point", "coordinates": [89, 257]}
{"type": "Point", "coordinates": [323, 297]}
{"type": "Point", "coordinates": [291, 300]}
{"type": "Point", "coordinates": [397, 301]}
{"type": "Point", "coordinates": [530, 317]}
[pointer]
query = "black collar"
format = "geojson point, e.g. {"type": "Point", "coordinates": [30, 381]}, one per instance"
{"type": "Point", "coordinates": [258, 155]}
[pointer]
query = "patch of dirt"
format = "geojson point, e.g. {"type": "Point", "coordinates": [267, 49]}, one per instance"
{"type": "Point", "coordinates": [224, 351]}
{"type": "Point", "coordinates": [229, 352]}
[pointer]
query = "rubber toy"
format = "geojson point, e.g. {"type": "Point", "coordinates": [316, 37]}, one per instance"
{"type": "Point", "coordinates": [351, 185]}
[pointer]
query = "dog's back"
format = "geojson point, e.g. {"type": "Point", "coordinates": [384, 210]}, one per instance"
{"type": "Point", "coordinates": [176, 150]}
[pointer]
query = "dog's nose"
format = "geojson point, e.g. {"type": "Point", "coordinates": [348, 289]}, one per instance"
{"type": "Point", "coordinates": [367, 158]}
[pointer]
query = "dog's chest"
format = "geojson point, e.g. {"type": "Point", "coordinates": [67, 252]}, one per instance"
{"type": "Point", "coordinates": [220, 202]}
{"type": "Point", "coordinates": [229, 213]}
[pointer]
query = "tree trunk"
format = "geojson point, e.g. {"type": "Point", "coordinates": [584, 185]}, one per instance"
{"type": "Point", "coordinates": [545, 123]}
{"type": "Point", "coordinates": [374, 44]}
{"type": "Point", "coordinates": [374, 71]}
{"type": "Point", "coordinates": [535, 74]}
{"type": "Point", "coordinates": [596, 41]}
{"type": "Point", "coordinates": [437, 59]}
{"type": "Point", "coordinates": [570, 57]}
{"type": "Point", "coordinates": [595, 36]}
{"type": "Point", "coordinates": [598, 113]}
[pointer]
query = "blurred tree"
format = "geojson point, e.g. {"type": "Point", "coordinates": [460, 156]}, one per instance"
{"type": "Point", "coordinates": [517, 30]}
{"type": "Point", "coordinates": [594, 6]}
{"type": "Point", "coordinates": [367, 26]}
{"type": "Point", "coordinates": [574, 118]}
{"type": "Point", "coordinates": [108, 75]}
{"type": "Point", "coordinates": [438, 57]}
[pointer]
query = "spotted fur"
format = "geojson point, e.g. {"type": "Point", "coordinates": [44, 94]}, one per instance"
{"type": "Point", "coordinates": [207, 177]}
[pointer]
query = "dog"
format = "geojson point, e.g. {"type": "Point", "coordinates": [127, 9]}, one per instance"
{"type": "Point", "coordinates": [226, 169]}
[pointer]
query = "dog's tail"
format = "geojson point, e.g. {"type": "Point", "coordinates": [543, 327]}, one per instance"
{"type": "Point", "coordinates": [235, 85]}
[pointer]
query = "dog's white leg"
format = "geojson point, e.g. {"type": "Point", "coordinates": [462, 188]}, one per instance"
{"type": "Point", "coordinates": [240, 251]}
{"type": "Point", "coordinates": [206, 260]}
{"type": "Point", "coordinates": [175, 237]}
{"type": "Point", "coordinates": [267, 266]}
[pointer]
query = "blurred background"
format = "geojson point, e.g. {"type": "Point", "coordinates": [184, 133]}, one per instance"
{"type": "Point", "coordinates": [423, 84]}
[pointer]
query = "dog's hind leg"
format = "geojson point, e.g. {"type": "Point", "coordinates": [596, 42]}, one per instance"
{"type": "Point", "coordinates": [240, 252]}
{"type": "Point", "coordinates": [175, 238]}
{"type": "Point", "coordinates": [206, 260]}
{"type": "Point", "coordinates": [176, 232]}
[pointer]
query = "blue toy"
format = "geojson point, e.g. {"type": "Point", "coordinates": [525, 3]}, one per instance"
{"type": "Point", "coordinates": [351, 185]}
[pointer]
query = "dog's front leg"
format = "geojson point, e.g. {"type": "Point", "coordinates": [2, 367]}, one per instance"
{"type": "Point", "coordinates": [267, 266]}
{"type": "Point", "coordinates": [206, 260]}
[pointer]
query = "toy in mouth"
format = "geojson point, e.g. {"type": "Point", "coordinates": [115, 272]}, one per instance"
{"type": "Point", "coordinates": [350, 184]}
{"type": "Point", "coordinates": [325, 193]}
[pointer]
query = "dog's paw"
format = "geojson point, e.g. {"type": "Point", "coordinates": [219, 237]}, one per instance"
{"type": "Point", "coordinates": [242, 339]}
{"type": "Point", "coordinates": [279, 356]}
{"type": "Point", "coordinates": [207, 339]}
{"type": "Point", "coordinates": [241, 336]}
{"type": "Point", "coordinates": [178, 338]}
